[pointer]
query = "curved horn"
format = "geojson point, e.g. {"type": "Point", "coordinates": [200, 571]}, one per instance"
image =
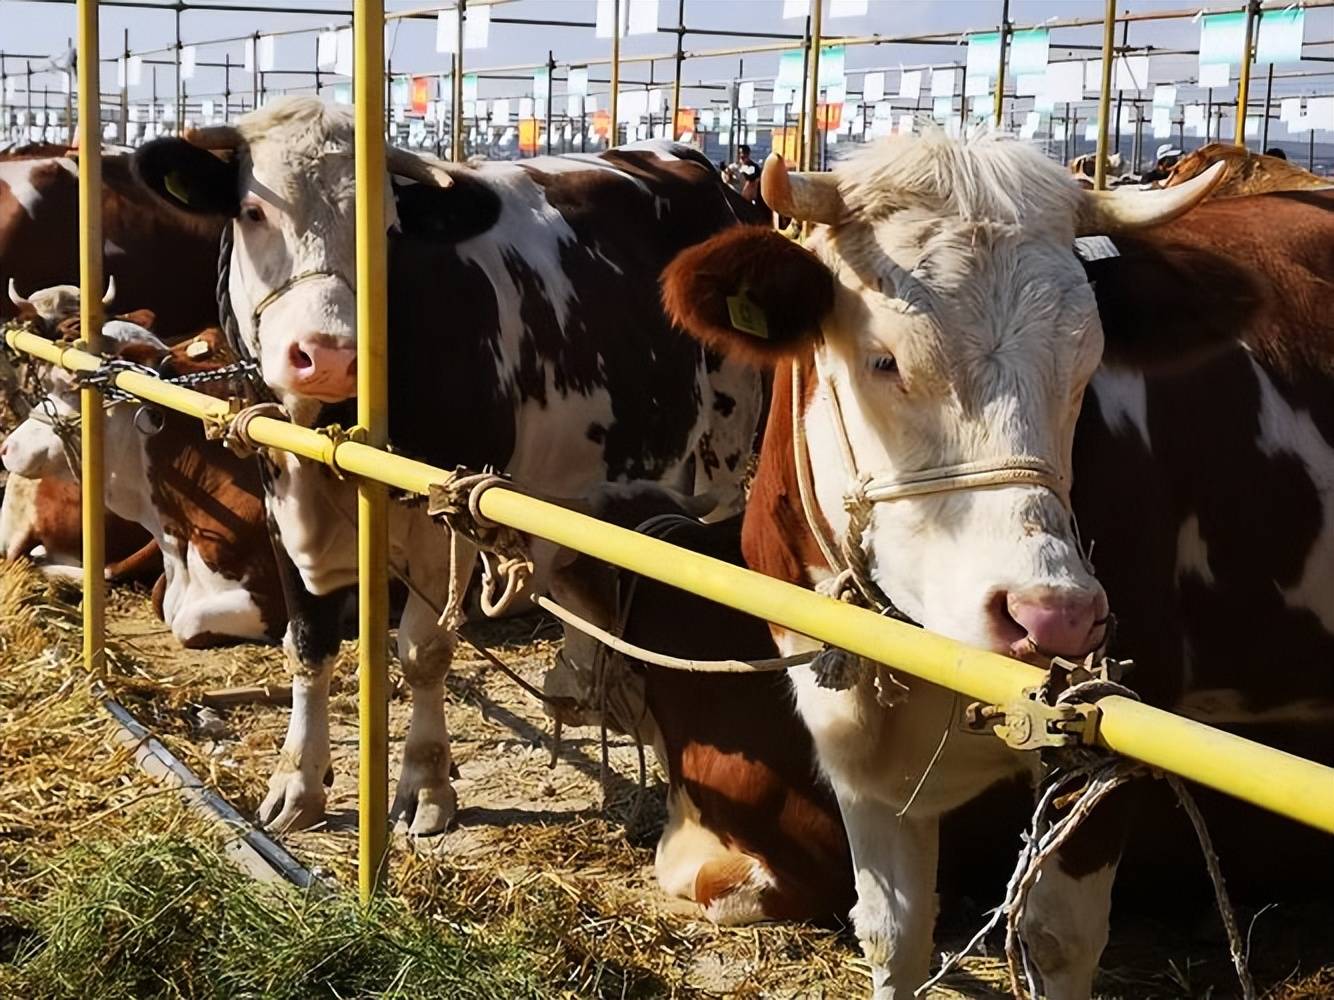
{"type": "Point", "coordinates": [220, 137]}
{"type": "Point", "coordinates": [110, 295]}
{"type": "Point", "coordinates": [417, 168]}
{"type": "Point", "coordinates": [15, 297]}
{"type": "Point", "coordinates": [810, 197]}
{"type": "Point", "coordinates": [1128, 208]}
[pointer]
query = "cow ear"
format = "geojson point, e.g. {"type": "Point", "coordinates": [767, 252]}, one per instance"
{"type": "Point", "coordinates": [189, 178]}
{"type": "Point", "coordinates": [1166, 306]}
{"type": "Point", "coordinates": [750, 293]}
{"type": "Point", "coordinates": [464, 209]}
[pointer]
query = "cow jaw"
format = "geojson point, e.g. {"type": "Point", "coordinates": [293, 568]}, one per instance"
{"type": "Point", "coordinates": [952, 344]}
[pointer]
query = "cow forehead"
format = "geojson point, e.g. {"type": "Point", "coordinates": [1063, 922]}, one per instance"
{"type": "Point", "coordinates": [298, 150]}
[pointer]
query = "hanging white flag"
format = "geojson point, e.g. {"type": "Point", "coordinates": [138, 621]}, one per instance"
{"type": "Point", "coordinates": [447, 31]}
{"type": "Point", "coordinates": [267, 53]}
{"type": "Point", "coordinates": [135, 74]}
{"type": "Point", "coordinates": [188, 57]}
{"type": "Point", "coordinates": [746, 95]}
{"type": "Point", "coordinates": [346, 53]}
{"type": "Point", "coordinates": [910, 84]}
{"type": "Point", "coordinates": [1214, 75]}
{"type": "Point", "coordinates": [1164, 95]}
{"type": "Point", "coordinates": [643, 17]}
{"type": "Point", "coordinates": [577, 82]}
{"type": "Point", "coordinates": [476, 27]}
{"type": "Point", "coordinates": [605, 14]}
{"type": "Point", "coordinates": [1289, 109]}
{"type": "Point", "coordinates": [796, 8]}
{"type": "Point", "coordinates": [873, 87]}
{"type": "Point", "coordinates": [326, 50]}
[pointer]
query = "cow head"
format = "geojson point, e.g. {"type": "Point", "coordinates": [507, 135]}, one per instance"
{"type": "Point", "coordinates": [285, 177]}
{"type": "Point", "coordinates": [941, 307]}
{"type": "Point", "coordinates": [43, 444]}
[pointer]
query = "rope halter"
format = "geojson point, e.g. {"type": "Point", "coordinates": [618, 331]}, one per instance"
{"type": "Point", "coordinates": [847, 556]}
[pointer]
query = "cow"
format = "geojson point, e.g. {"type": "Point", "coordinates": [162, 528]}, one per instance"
{"type": "Point", "coordinates": [40, 520]}
{"type": "Point", "coordinates": [525, 334]}
{"type": "Point", "coordinates": [160, 260]}
{"type": "Point", "coordinates": [752, 831]}
{"type": "Point", "coordinates": [202, 504]}
{"type": "Point", "coordinates": [1246, 172]}
{"type": "Point", "coordinates": [934, 346]}
{"type": "Point", "coordinates": [1084, 166]}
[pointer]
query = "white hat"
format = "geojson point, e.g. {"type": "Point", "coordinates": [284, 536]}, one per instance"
{"type": "Point", "coordinates": [1166, 149]}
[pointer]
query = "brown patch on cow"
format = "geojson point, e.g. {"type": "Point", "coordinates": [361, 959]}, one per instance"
{"type": "Point", "coordinates": [1245, 173]}
{"type": "Point", "coordinates": [58, 527]}
{"type": "Point", "coordinates": [162, 260]}
{"type": "Point", "coordinates": [722, 877]}
{"type": "Point", "coordinates": [784, 285]}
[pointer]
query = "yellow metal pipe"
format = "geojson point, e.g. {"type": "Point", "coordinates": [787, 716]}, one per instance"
{"type": "Point", "coordinates": [93, 431]}
{"type": "Point", "coordinates": [372, 417]}
{"type": "Point", "coordinates": [1105, 94]}
{"type": "Point", "coordinates": [615, 99]}
{"type": "Point", "coordinates": [1244, 83]}
{"type": "Point", "coordinates": [1271, 779]}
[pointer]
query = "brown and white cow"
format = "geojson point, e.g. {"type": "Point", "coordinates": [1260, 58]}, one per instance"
{"type": "Point", "coordinates": [940, 323]}
{"type": "Point", "coordinates": [202, 504]}
{"type": "Point", "coordinates": [1247, 172]}
{"type": "Point", "coordinates": [752, 831]}
{"type": "Point", "coordinates": [525, 334]}
{"type": "Point", "coordinates": [159, 260]}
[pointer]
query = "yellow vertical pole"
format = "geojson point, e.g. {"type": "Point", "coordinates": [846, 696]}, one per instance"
{"type": "Point", "coordinates": [90, 318]}
{"type": "Point", "coordinates": [1244, 83]}
{"type": "Point", "coordinates": [813, 88]}
{"type": "Point", "coordinates": [372, 416]}
{"type": "Point", "coordinates": [1000, 69]}
{"type": "Point", "coordinates": [1105, 95]}
{"type": "Point", "coordinates": [615, 99]}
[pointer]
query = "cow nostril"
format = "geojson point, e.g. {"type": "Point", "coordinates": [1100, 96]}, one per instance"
{"type": "Point", "coordinates": [1003, 623]}
{"type": "Point", "coordinates": [298, 358]}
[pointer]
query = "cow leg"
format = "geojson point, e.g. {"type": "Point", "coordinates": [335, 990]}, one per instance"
{"type": "Point", "coordinates": [693, 863]}
{"type": "Point", "coordinates": [144, 564]}
{"type": "Point", "coordinates": [425, 799]}
{"type": "Point", "coordinates": [895, 913]}
{"type": "Point", "coordinates": [296, 795]}
{"type": "Point", "coordinates": [1065, 920]}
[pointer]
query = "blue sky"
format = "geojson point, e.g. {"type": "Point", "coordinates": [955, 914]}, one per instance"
{"type": "Point", "coordinates": [44, 28]}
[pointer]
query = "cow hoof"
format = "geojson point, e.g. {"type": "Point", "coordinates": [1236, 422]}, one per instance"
{"type": "Point", "coordinates": [293, 802]}
{"type": "Point", "coordinates": [427, 810]}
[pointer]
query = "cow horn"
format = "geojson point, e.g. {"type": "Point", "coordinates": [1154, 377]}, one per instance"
{"type": "Point", "coordinates": [15, 297]}
{"type": "Point", "coordinates": [809, 197]}
{"type": "Point", "coordinates": [1123, 209]}
{"type": "Point", "coordinates": [218, 137]}
{"type": "Point", "coordinates": [417, 168]}
{"type": "Point", "coordinates": [110, 295]}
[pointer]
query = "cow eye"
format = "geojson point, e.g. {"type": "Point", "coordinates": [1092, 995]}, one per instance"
{"type": "Point", "coordinates": [883, 364]}
{"type": "Point", "coordinates": [252, 213]}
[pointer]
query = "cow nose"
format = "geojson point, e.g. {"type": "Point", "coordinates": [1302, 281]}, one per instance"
{"type": "Point", "coordinates": [1055, 621]}
{"type": "Point", "coordinates": [324, 368]}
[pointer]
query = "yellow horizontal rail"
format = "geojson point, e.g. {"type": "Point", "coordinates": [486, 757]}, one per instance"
{"type": "Point", "coordinates": [1271, 779]}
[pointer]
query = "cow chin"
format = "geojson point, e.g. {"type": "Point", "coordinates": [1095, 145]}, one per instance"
{"type": "Point", "coordinates": [33, 452]}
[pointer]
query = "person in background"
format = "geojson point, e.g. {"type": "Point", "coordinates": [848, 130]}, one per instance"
{"type": "Point", "coordinates": [1164, 160]}
{"type": "Point", "coordinates": [1276, 152]}
{"type": "Point", "coordinates": [749, 173]}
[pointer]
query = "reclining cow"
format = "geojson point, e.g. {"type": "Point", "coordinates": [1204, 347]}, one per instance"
{"type": "Point", "coordinates": [202, 504]}
{"type": "Point", "coordinates": [933, 349]}
{"type": "Point", "coordinates": [752, 832]}
{"type": "Point", "coordinates": [525, 334]}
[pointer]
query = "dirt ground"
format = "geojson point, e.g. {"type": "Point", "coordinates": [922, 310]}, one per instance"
{"type": "Point", "coordinates": [521, 822]}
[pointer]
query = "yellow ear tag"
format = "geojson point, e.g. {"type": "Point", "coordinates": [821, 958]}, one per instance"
{"type": "Point", "coordinates": [172, 182]}
{"type": "Point", "coordinates": [745, 315]}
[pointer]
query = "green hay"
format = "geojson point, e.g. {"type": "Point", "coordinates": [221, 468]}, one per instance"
{"type": "Point", "coordinates": [168, 917]}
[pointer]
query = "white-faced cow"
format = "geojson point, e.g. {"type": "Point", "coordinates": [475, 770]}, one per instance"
{"type": "Point", "coordinates": [525, 334]}
{"type": "Point", "coordinates": [202, 504]}
{"type": "Point", "coordinates": [938, 338]}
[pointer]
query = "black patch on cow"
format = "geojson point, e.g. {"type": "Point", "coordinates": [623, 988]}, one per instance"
{"type": "Point", "coordinates": [724, 403]}
{"type": "Point", "coordinates": [596, 433]}
{"type": "Point", "coordinates": [189, 178]}
{"type": "Point", "coordinates": [465, 209]}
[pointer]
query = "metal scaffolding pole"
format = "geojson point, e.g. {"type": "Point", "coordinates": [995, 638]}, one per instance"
{"type": "Point", "coordinates": [1105, 94]}
{"type": "Point", "coordinates": [1244, 83]}
{"type": "Point", "coordinates": [373, 424]}
{"type": "Point", "coordinates": [813, 84]}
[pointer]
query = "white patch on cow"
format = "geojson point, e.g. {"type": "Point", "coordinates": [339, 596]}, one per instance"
{"type": "Point", "coordinates": [110, 249]}
{"type": "Point", "coordinates": [578, 464]}
{"type": "Point", "coordinates": [209, 602]}
{"type": "Point", "coordinates": [529, 230]}
{"type": "Point", "coordinates": [1192, 553]}
{"type": "Point", "coordinates": [18, 516]}
{"type": "Point", "coordinates": [18, 175]}
{"type": "Point", "coordinates": [1064, 927]}
{"type": "Point", "coordinates": [1123, 401]}
{"type": "Point", "coordinates": [1285, 431]}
